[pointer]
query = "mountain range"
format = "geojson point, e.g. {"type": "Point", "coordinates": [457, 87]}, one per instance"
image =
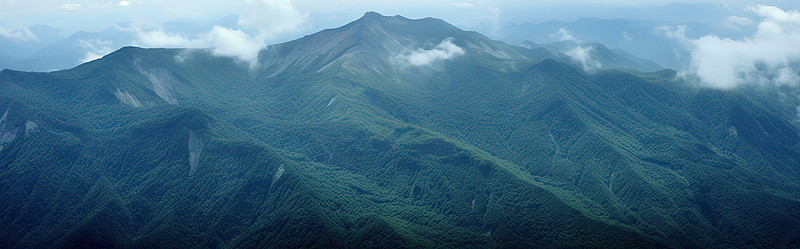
{"type": "Point", "coordinates": [391, 132]}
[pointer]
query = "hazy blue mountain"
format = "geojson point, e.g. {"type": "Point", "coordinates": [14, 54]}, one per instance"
{"type": "Point", "coordinates": [11, 49]}
{"type": "Point", "coordinates": [76, 49]}
{"type": "Point", "coordinates": [390, 132]}
{"type": "Point", "coordinates": [713, 14]}
{"type": "Point", "coordinates": [641, 38]}
{"type": "Point", "coordinates": [58, 53]}
{"type": "Point", "coordinates": [597, 53]}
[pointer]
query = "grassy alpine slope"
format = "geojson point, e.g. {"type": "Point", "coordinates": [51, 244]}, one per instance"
{"type": "Point", "coordinates": [333, 140]}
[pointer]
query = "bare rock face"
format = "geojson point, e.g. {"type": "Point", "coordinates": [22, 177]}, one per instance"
{"type": "Point", "coordinates": [127, 98]}
{"type": "Point", "coordinates": [31, 127]}
{"type": "Point", "coordinates": [195, 150]}
{"type": "Point", "coordinates": [277, 176]}
{"type": "Point", "coordinates": [7, 132]}
{"type": "Point", "coordinates": [162, 84]}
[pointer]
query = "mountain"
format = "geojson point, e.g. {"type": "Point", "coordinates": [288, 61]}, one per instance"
{"type": "Point", "coordinates": [76, 49]}
{"type": "Point", "coordinates": [641, 38]}
{"type": "Point", "coordinates": [67, 52]}
{"type": "Point", "coordinates": [390, 132]}
{"type": "Point", "coordinates": [30, 41]}
{"type": "Point", "coordinates": [37, 37]}
{"type": "Point", "coordinates": [596, 53]}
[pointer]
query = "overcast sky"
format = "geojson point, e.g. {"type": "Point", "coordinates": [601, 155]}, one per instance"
{"type": "Point", "coordinates": [95, 15]}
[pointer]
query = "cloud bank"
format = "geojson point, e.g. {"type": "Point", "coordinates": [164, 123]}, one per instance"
{"type": "Point", "coordinates": [267, 19]}
{"type": "Point", "coordinates": [564, 35]}
{"type": "Point", "coordinates": [21, 35]}
{"type": "Point", "coordinates": [234, 43]}
{"type": "Point", "coordinates": [769, 57]}
{"type": "Point", "coordinates": [443, 51]}
{"type": "Point", "coordinates": [95, 48]}
{"type": "Point", "coordinates": [583, 55]}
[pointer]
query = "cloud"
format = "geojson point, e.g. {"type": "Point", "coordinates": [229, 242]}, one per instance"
{"type": "Point", "coordinates": [443, 51]}
{"type": "Point", "coordinates": [124, 3]}
{"type": "Point", "coordinates": [564, 35]}
{"type": "Point", "coordinates": [70, 6]}
{"type": "Point", "coordinates": [21, 35]}
{"type": "Point", "coordinates": [272, 17]}
{"type": "Point", "coordinates": [626, 36]}
{"type": "Point", "coordinates": [234, 43]}
{"type": "Point", "coordinates": [735, 22]}
{"type": "Point", "coordinates": [161, 39]}
{"type": "Point", "coordinates": [765, 58]}
{"type": "Point", "coordinates": [95, 48]}
{"type": "Point", "coordinates": [267, 19]}
{"type": "Point", "coordinates": [494, 12]}
{"type": "Point", "coordinates": [223, 41]}
{"type": "Point", "coordinates": [677, 33]}
{"type": "Point", "coordinates": [583, 55]}
{"type": "Point", "coordinates": [467, 5]}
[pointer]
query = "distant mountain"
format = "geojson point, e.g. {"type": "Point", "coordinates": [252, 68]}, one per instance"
{"type": "Point", "coordinates": [76, 49]}
{"type": "Point", "coordinates": [56, 53]}
{"type": "Point", "coordinates": [14, 49]}
{"type": "Point", "coordinates": [597, 53]}
{"type": "Point", "coordinates": [641, 38]}
{"type": "Point", "coordinates": [390, 132]}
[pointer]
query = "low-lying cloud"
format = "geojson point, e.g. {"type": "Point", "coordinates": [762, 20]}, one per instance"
{"type": "Point", "coordinates": [160, 38]}
{"type": "Point", "coordinates": [267, 19]}
{"type": "Point", "coordinates": [223, 41]}
{"type": "Point", "coordinates": [769, 57]}
{"type": "Point", "coordinates": [583, 55]}
{"type": "Point", "coordinates": [95, 48]}
{"type": "Point", "coordinates": [234, 43]}
{"type": "Point", "coordinates": [564, 35]}
{"type": "Point", "coordinates": [443, 51]}
{"type": "Point", "coordinates": [20, 35]}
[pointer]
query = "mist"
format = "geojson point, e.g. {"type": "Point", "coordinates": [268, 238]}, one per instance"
{"type": "Point", "coordinates": [443, 51]}
{"type": "Point", "coordinates": [764, 58]}
{"type": "Point", "coordinates": [583, 55]}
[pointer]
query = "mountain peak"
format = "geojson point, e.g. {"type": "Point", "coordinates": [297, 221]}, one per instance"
{"type": "Point", "coordinates": [373, 14]}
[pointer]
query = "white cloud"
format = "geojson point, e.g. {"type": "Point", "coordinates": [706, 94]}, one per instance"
{"type": "Point", "coordinates": [70, 6]}
{"type": "Point", "coordinates": [267, 19]}
{"type": "Point", "coordinates": [224, 41]}
{"type": "Point", "coordinates": [626, 36]}
{"type": "Point", "coordinates": [462, 4]}
{"type": "Point", "coordinates": [234, 43]}
{"type": "Point", "coordinates": [161, 39]}
{"type": "Point", "coordinates": [21, 35]}
{"type": "Point", "coordinates": [775, 14]}
{"type": "Point", "coordinates": [583, 55]}
{"type": "Point", "coordinates": [787, 76]}
{"type": "Point", "coordinates": [443, 51]}
{"type": "Point", "coordinates": [272, 17]}
{"type": "Point", "coordinates": [678, 33]}
{"type": "Point", "coordinates": [738, 21]}
{"type": "Point", "coordinates": [95, 48]}
{"type": "Point", "coordinates": [494, 12]}
{"type": "Point", "coordinates": [124, 3]}
{"type": "Point", "coordinates": [764, 58]}
{"type": "Point", "coordinates": [564, 35]}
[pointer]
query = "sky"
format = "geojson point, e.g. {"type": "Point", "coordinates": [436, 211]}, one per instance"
{"type": "Point", "coordinates": [95, 15]}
